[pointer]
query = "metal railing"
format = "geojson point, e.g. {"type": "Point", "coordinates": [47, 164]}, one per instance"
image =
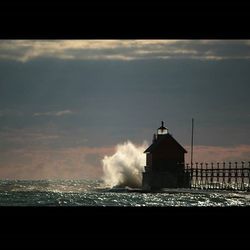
{"type": "Point", "coordinates": [228, 176]}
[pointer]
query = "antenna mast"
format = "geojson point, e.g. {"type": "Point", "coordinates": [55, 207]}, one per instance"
{"type": "Point", "coordinates": [192, 142]}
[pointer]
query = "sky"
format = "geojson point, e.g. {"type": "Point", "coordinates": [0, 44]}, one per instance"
{"type": "Point", "coordinates": [65, 104]}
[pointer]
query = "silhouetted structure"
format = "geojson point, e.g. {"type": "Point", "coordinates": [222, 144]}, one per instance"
{"type": "Point", "coordinates": [226, 176]}
{"type": "Point", "coordinates": [165, 163]}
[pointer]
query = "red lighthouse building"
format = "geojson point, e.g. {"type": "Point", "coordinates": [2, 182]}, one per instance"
{"type": "Point", "coordinates": [165, 163]}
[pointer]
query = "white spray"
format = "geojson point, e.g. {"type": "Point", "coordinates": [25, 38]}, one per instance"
{"type": "Point", "coordinates": [124, 168]}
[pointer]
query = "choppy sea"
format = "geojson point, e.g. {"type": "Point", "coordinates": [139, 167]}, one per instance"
{"type": "Point", "coordinates": [93, 193]}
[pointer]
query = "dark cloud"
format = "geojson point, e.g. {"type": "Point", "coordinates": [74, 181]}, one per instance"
{"type": "Point", "coordinates": [113, 100]}
{"type": "Point", "coordinates": [50, 105]}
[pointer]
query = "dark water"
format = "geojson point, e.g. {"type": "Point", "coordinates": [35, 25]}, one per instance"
{"type": "Point", "coordinates": [92, 193]}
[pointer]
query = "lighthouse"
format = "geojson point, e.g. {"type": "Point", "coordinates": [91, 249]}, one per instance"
{"type": "Point", "coordinates": [165, 162]}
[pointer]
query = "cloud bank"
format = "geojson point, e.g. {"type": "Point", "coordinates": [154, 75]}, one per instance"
{"type": "Point", "coordinates": [54, 113]}
{"type": "Point", "coordinates": [64, 163]}
{"type": "Point", "coordinates": [204, 153]}
{"type": "Point", "coordinates": [118, 166]}
{"type": "Point", "coordinates": [125, 50]}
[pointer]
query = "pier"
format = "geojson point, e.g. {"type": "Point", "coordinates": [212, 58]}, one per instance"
{"type": "Point", "coordinates": [219, 175]}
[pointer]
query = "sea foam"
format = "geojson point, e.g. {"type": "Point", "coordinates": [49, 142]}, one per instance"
{"type": "Point", "coordinates": [124, 168]}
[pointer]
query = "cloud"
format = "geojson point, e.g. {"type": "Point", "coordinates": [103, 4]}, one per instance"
{"type": "Point", "coordinates": [27, 137]}
{"type": "Point", "coordinates": [25, 50]}
{"type": "Point", "coordinates": [42, 137]}
{"type": "Point", "coordinates": [86, 162]}
{"type": "Point", "coordinates": [66, 163]}
{"type": "Point", "coordinates": [218, 154]}
{"type": "Point", "coordinates": [55, 113]}
{"type": "Point", "coordinates": [63, 112]}
{"type": "Point", "coordinates": [10, 112]}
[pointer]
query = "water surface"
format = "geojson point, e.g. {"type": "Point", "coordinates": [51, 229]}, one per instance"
{"type": "Point", "coordinates": [93, 193]}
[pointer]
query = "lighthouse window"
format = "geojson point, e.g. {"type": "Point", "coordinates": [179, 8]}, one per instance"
{"type": "Point", "coordinates": [162, 131]}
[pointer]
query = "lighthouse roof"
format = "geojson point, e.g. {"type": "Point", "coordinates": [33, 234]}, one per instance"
{"type": "Point", "coordinates": [162, 141]}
